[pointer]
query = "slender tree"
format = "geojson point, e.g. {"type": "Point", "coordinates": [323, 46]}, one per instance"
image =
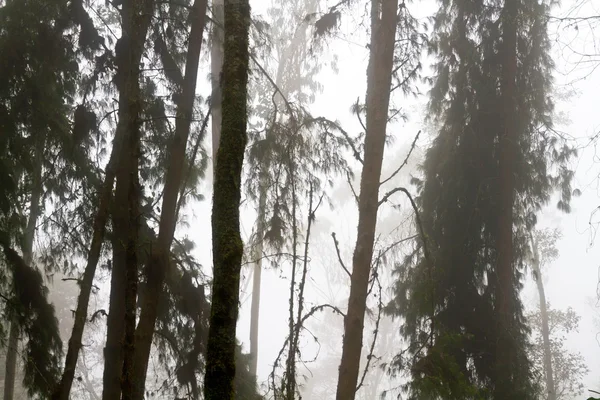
{"type": "Point", "coordinates": [293, 77]}
{"type": "Point", "coordinates": [227, 242]}
{"type": "Point", "coordinates": [536, 265]}
{"type": "Point", "coordinates": [384, 20]}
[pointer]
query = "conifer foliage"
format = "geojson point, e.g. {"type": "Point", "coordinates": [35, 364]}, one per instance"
{"type": "Point", "coordinates": [452, 317]}
{"type": "Point", "coordinates": [104, 114]}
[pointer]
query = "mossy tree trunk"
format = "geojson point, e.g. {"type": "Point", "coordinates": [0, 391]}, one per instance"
{"type": "Point", "coordinates": [160, 257]}
{"type": "Point", "coordinates": [136, 16]}
{"type": "Point", "coordinates": [505, 351]}
{"type": "Point", "coordinates": [227, 241]}
{"type": "Point", "coordinates": [384, 20]}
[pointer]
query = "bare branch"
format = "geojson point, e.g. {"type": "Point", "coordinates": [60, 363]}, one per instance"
{"type": "Point", "coordinates": [417, 215]}
{"type": "Point", "coordinates": [375, 332]}
{"type": "Point", "coordinates": [337, 249]}
{"type": "Point", "coordinates": [412, 147]}
{"type": "Point", "coordinates": [351, 186]}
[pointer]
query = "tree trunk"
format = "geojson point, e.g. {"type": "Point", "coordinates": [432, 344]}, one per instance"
{"type": "Point", "coordinates": [160, 257]}
{"type": "Point", "coordinates": [505, 351]}
{"type": "Point", "coordinates": [227, 242]}
{"type": "Point", "coordinates": [136, 16]}
{"type": "Point", "coordinates": [216, 68]}
{"type": "Point", "coordinates": [256, 281]}
{"type": "Point", "coordinates": [63, 390]}
{"type": "Point", "coordinates": [379, 78]}
{"type": "Point", "coordinates": [548, 369]}
{"type": "Point", "coordinates": [11, 361]}
{"type": "Point", "coordinates": [29, 237]}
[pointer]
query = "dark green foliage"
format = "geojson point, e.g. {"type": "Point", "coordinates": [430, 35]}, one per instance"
{"type": "Point", "coordinates": [448, 303]}
{"type": "Point", "coordinates": [38, 322]}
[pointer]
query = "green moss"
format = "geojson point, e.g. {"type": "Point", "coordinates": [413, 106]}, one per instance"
{"type": "Point", "coordinates": [227, 242]}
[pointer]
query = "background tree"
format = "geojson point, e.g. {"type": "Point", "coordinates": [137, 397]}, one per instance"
{"type": "Point", "coordinates": [569, 368]}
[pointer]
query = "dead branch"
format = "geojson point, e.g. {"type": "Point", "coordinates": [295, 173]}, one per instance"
{"type": "Point", "coordinates": [337, 249]}
{"type": "Point", "coordinates": [412, 147]}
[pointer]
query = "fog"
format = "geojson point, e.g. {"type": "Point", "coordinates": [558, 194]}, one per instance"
{"type": "Point", "coordinates": [570, 280]}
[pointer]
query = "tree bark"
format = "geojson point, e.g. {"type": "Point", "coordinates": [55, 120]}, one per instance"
{"type": "Point", "coordinates": [27, 248]}
{"type": "Point", "coordinates": [160, 257]}
{"type": "Point", "coordinates": [379, 78]}
{"type": "Point", "coordinates": [11, 361]}
{"type": "Point", "coordinates": [136, 16]}
{"type": "Point", "coordinates": [227, 242]}
{"type": "Point", "coordinates": [508, 139]}
{"type": "Point", "coordinates": [548, 369]}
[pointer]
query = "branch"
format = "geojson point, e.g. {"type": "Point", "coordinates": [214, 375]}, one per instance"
{"type": "Point", "coordinates": [192, 161]}
{"type": "Point", "coordinates": [351, 187]}
{"type": "Point", "coordinates": [417, 215]}
{"type": "Point", "coordinates": [358, 114]}
{"type": "Point", "coordinates": [375, 334]}
{"type": "Point", "coordinates": [326, 121]}
{"type": "Point", "coordinates": [412, 147]}
{"type": "Point", "coordinates": [96, 313]}
{"type": "Point", "coordinates": [337, 249]}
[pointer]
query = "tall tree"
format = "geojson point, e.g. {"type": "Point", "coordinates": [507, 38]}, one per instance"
{"type": "Point", "coordinates": [27, 248]}
{"type": "Point", "coordinates": [384, 21]}
{"type": "Point", "coordinates": [293, 80]}
{"type": "Point", "coordinates": [128, 52]}
{"type": "Point", "coordinates": [452, 305]}
{"type": "Point", "coordinates": [508, 140]}
{"type": "Point", "coordinates": [543, 250]}
{"type": "Point", "coordinates": [227, 241]}
{"type": "Point", "coordinates": [35, 112]}
{"type": "Point", "coordinates": [568, 367]}
{"type": "Point", "coordinates": [161, 251]}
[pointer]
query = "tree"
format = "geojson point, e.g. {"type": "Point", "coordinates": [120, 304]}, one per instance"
{"type": "Point", "coordinates": [569, 368]}
{"type": "Point", "coordinates": [35, 127]}
{"type": "Point", "coordinates": [451, 304]}
{"type": "Point", "coordinates": [227, 242]}
{"type": "Point", "coordinates": [122, 310]}
{"type": "Point", "coordinates": [284, 88]}
{"type": "Point", "coordinates": [548, 353]}
{"type": "Point", "coordinates": [379, 79]}
{"type": "Point", "coordinates": [544, 251]}
{"type": "Point", "coordinates": [173, 183]}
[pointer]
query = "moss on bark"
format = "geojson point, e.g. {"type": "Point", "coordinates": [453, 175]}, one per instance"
{"type": "Point", "coordinates": [227, 242]}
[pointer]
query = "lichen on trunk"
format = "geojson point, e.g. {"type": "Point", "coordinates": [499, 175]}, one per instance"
{"type": "Point", "coordinates": [227, 241]}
